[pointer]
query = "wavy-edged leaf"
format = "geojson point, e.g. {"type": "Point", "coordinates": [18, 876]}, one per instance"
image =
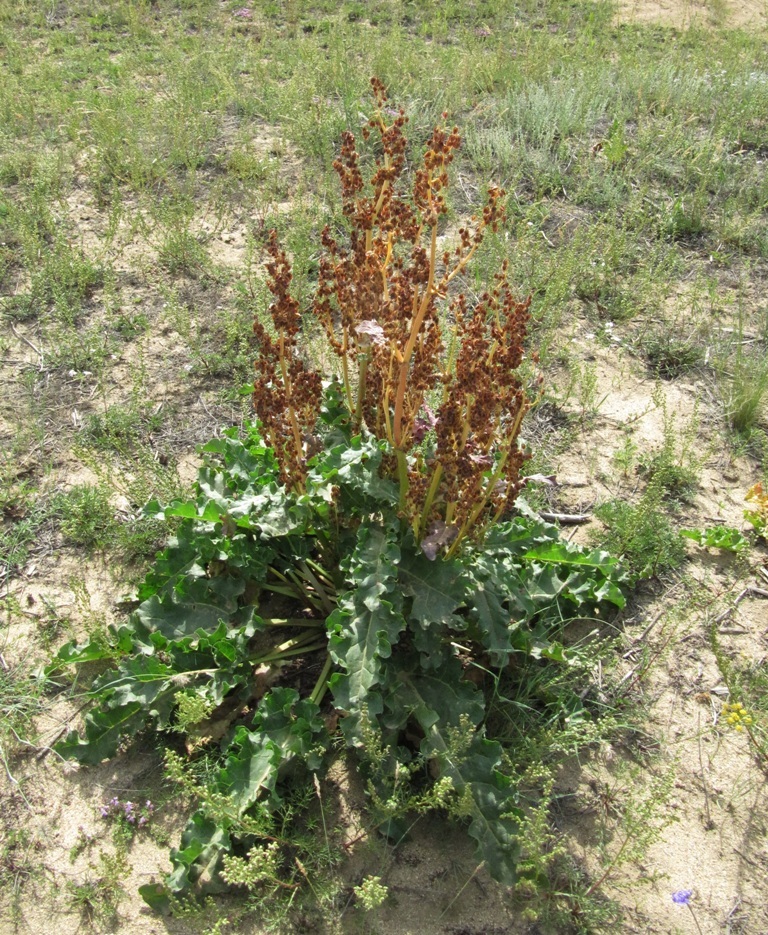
{"type": "Point", "coordinates": [487, 610]}
{"type": "Point", "coordinates": [103, 733]}
{"type": "Point", "coordinates": [285, 727]}
{"type": "Point", "coordinates": [142, 679]}
{"type": "Point", "coordinates": [366, 624]}
{"type": "Point", "coordinates": [439, 702]}
{"type": "Point", "coordinates": [198, 860]}
{"type": "Point", "coordinates": [251, 770]}
{"type": "Point", "coordinates": [92, 650]}
{"type": "Point", "coordinates": [438, 589]}
{"type": "Point", "coordinates": [354, 467]}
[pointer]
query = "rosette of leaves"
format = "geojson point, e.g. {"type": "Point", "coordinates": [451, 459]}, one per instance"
{"type": "Point", "coordinates": [274, 614]}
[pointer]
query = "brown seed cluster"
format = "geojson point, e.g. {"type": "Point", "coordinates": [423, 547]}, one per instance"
{"type": "Point", "coordinates": [286, 393]}
{"type": "Point", "coordinates": [382, 298]}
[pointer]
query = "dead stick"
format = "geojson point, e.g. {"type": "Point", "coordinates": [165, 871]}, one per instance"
{"type": "Point", "coordinates": [27, 342]}
{"type": "Point", "coordinates": [566, 518]}
{"type": "Point", "coordinates": [730, 610]}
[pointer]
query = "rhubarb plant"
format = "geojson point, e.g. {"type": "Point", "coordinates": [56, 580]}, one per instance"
{"type": "Point", "coordinates": [355, 555]}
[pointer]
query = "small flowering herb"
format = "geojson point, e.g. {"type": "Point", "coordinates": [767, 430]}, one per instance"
{"type": "Point", "coordinates": [737, 716]}
{"type": "Point", "coordinates": [683, 898]}
{"type": "Point", "coordinates": [371, 893]}
{"type": "Point", "coordinates": [131, 814]}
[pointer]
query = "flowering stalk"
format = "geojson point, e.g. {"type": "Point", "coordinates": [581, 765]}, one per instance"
{"type": "Point", "coordinates": [383, 299]}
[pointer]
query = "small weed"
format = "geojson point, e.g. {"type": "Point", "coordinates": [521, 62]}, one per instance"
{"type": "Point", "coordinates": [672, 469]}
{"type": "Point", "coordinates": [757, 511]}
{"type": "Point", "coordinates": [742, 374]}
{"type": "Point", "coordinates": [744, 390]}
{"type": "Point", "coordinates": [18, 866]}
{"type": "Point", "coordinates": [676, 480]}
{"type": "Point", "coordinates": [371, 893]}
{"type": "Point", "coordinates": [21, 700]}
{"type": "Point", "coordinates": [182, 253]}
{"type": "Point", "coordinates": [83, 843]}
{"type": "Point", "coordinates": [670, 352]}
{"type": "Point", "coordinates": [82, 351]}
{"type": "Point", "coordinates": [99, 896]}
{"type": "Point", "coordinates": [120, 428]}
{"type": "Point", "coordinates": [625, 457]}
{"type": "Point", "coordinates": [22, 518]}
{"type": "Point", "coordinates": [746, 712]}
{"type": "Point", "coordinates": [126, 818]}
{"type": "Point", "coordinates": [685, 219]}
{"type": "Point", "coordinates": [583, 386]}
{"type": "Point", "coordinates": [87, 516]}
{"type": "Point", "coordinates": [641, 534]}
{"type": "Point", "coordinates": [22, 307]}
{"type": "Point", "coordinates": [130, 326]}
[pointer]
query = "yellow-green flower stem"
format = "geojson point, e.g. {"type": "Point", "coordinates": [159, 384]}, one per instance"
{"type": "Point", "coordinates": [428, 501]}
{"type": "Point", "coordinates": [321, 573]}
{"type": "Point", "coordinates": [420, 311]}
{"type": "Point", "coordinates": [299, 480]}
{"type": "Point", "coordinates": [293, 647]}
{"type": "Point", "coordinates": [288, 653]}
{"type": "Point", "coordinates": [147, 677]}
{"type": "Point", "coordinates": [325, 600]}
{"type": "Point", "coordinates": [345, 366]}
{"type": "Point", "coordinates": [362, 374]}
{"type": "Point", "coordinates": [321, 686]}
{"type": "Point", "coordinates": [402, 471]}
{"type": "Point", "coordinates": [493, 480]}
{"type": "Point", "coordinates": [293, 622]}
{"type": "Point", "coordinates": [292, 587]}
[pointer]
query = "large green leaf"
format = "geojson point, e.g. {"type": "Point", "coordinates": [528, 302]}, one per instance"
{"type": "Point", "coordinates": [488, 611]}
{"type": "Point", "coordinates": [353, 466]}
{"type": "Point", "coordinates": [72, 653]}
{"type": "Point", "coordinates": [198, 860]}
{"type": "Point", "coordinates": [366, 624]}
{"type": "Point", "coordinates": [251, 769]}
{"type": "Point", "coordinates": [103, 732]}
{"type": "Point", "coordinates": [438, 588]}
{"type": "Point", "coordinates": [285, 727]}
{"type": "Point", "coordinates": [141, 679]}
{"type": "Point", "coordinates": [438, 702]}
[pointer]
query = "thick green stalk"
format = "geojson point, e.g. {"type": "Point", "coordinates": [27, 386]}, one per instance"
{"type": "Point", "coordinates": [437, 475]}
{"type": "Point", "coordinates": [402, 472]}
{"type": "Point", "coordinates": [321, 686]}
{"type": "Point", "coordinates": [363, 373]}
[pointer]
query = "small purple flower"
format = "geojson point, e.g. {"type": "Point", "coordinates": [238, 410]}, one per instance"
{"type": "Point", "coordinates": [115, 802]}
{"type": "Point", "coordinates": [682, 897]}
{"type": "Point", "coordinates": [243, 13]}
{"type": "Point", "coordinates": [105, 811]}
{"type": "Point", "coordinates": [149, 806]}
{"type": "Point", "coordinates": [142, 821]}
